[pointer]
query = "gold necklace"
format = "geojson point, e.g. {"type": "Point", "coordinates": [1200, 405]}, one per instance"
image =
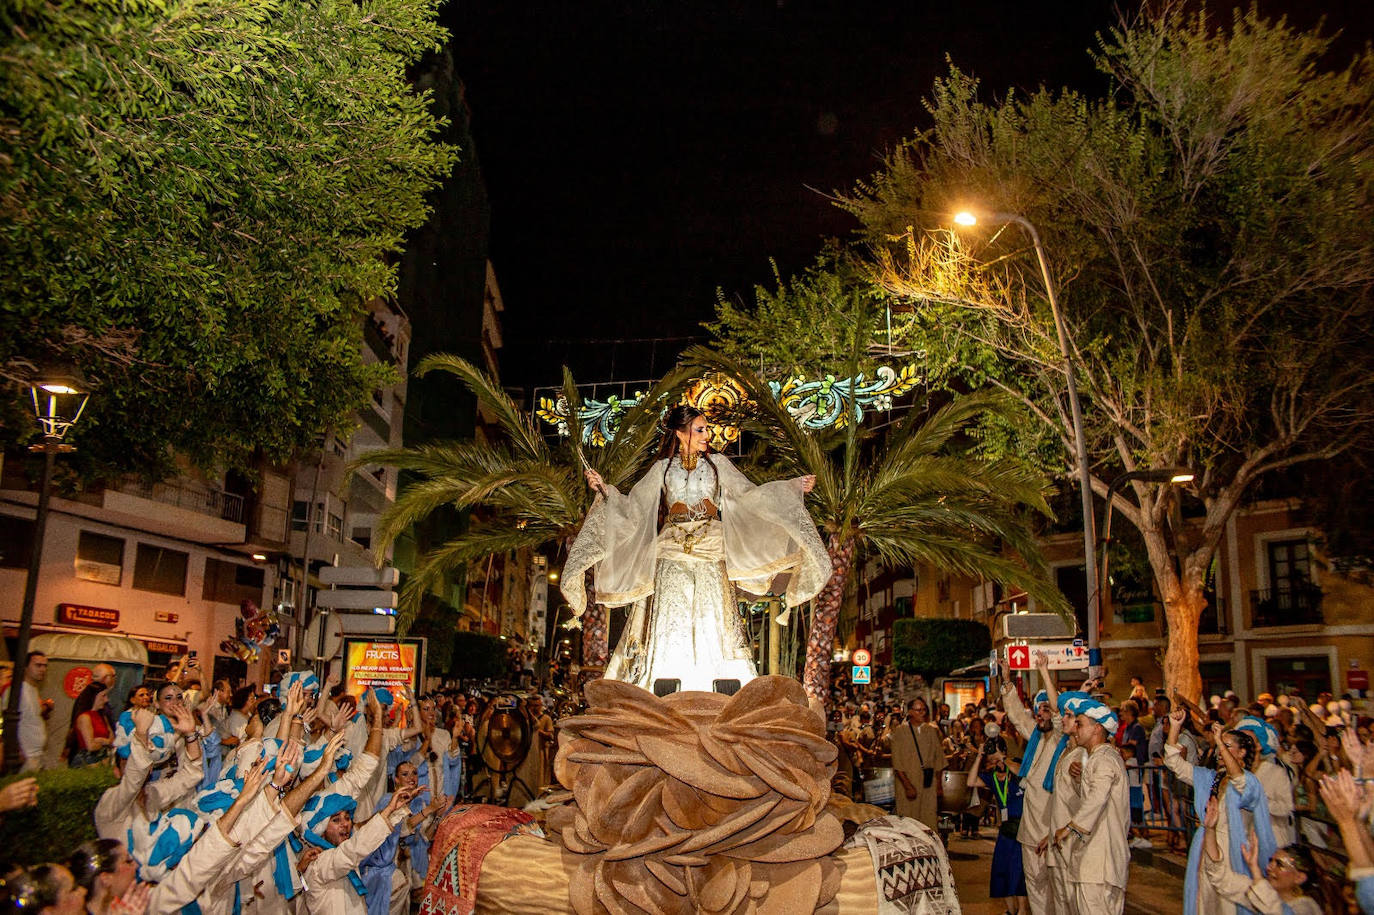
{"type": "Point", "coordinates": [689, 461]}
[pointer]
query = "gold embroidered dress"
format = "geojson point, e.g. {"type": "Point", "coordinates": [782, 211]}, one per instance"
{"type": "Point", "coordinates": [678, 580]}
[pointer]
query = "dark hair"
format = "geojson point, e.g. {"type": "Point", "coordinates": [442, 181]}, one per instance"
{"type": "Point", "coordinates": [1302, 861]}
{"type": "Point", "coordinates": [1249, 749]}
{"type": "Point", "coordinates": [241, 696]}
{"type": "Point", "coordinates": [83, 704]}
{"type": "Point", "coordinates": [677, 418]}
{"type": "Point", "coordinates": [91, 859]}
{"type": "Point", "coordinates": [267, 710]}
{"type": "Point", "coordinates": [30, 891]}
{"type": "Point", "coordinates": [34, 654]}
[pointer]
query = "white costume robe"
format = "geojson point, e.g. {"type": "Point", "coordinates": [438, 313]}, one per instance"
{"type": "Point", "coordinates": [327, 888]}
{"type": "Point", "coordinates": [1100, 860]}
{"type": "Point", "coordinates": [1035, 806]}
{"type": "Point", "coordinates": [1064, 804]}
{"type": "Point", "coordinates": [691, 631]}
{"type": "Point", "coordinates": [118, 810]}
{"type": "Point", "coordinates": [1278, 792]}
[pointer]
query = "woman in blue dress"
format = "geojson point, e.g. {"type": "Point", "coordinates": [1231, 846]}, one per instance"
{"type": "Point", "coordinates": [1002, 787]}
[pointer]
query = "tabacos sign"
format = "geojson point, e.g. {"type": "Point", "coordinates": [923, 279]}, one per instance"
{"type": "Point", "coordinates": [87, 617]}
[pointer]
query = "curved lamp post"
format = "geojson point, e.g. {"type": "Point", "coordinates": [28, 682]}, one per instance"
{"type": "Point", "coordinates": [967, 218]}
{"type": "Point", "coordinates": [58, 402]}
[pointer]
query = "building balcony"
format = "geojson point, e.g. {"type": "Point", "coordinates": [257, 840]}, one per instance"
{"type": "Point", "coordinates": [1296, 605]}
{"type": "Point", "coordinates": [1215, 617]}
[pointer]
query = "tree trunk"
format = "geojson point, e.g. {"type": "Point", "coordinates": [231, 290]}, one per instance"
{"type": "Point", "coordinates": [1180, 653]}
{"type": "Point", "coordinates": [820, 644]}
{"type": "Point", "coordinates": [595, 643]}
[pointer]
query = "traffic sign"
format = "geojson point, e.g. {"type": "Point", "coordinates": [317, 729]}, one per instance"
{"type": "Point", "coordinates": [861, 657]}
{"type": "Point", "coordinates": [362, 599]}
{"type": "Point", "coordinates": [1062, 655]}
{"type": "Point", "coordinates": [861, 674]}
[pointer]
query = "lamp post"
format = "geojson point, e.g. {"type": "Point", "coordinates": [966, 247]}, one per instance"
{"type": "Point", "coordinates": [1160, 475]}
{"type": "Point", "coordinates": [58, 402]}
{"type": "Point", "coordinates": [966, 218]}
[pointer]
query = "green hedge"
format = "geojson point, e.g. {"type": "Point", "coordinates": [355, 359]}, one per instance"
{"type": "Point", "coordinates": [63, 819]}
{"type": "Point", "coordinates": [934, 647]}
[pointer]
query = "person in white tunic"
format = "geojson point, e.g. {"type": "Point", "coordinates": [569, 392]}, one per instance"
{"type": "Point", "coordinates": [1275, 891]}
{"type": "Point", "coordinates": [1098, 852]}
{"type": "Point", "coordinates": [1274, 777]}
{"type": "Point", "coordinates": [1064, 802]}
{"type": "Point", "coordinates": [332, 884]}
{"type": "Point", "coordinates": [1043, 748]}
{"type": "Point", "coordinates": [135, 803]}
{"type": "Point", "coordinates": [673, 549]}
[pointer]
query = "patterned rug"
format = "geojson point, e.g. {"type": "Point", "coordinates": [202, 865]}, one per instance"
{"type": "Point", "coordinates": [465, 836]}
{"type": "Point", "coordinates": [910, 866]}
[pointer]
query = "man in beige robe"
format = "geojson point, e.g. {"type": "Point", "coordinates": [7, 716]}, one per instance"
{"type": "Point", "coordinates": [1099, 854]}
{"type": "Point", "coordinates": [917, 747]}
{"type": "Point", "coordinates": [1035, 810]}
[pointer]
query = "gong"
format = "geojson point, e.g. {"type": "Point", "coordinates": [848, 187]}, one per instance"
{"type": "Point", "coordinates": [504, 735]}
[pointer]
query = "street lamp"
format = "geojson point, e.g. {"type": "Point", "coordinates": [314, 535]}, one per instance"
{"type": "Point", "coordinates": [58, 402]}
{"type": "Point", "coordinates": [1167, 475]}
{"type": "Point", "coordinates": [968, 218]}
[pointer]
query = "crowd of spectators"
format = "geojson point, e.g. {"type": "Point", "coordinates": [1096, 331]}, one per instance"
{"type": "Point", "coordinates": [294, 796]}
{"type": "Point", "coordinates": [1306, 760]}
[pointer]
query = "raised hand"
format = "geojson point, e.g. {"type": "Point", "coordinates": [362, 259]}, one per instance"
{"type": "Point", "coordinates": [182, 722]}
{"type": "Point", "coordinates": [1212, 816]}
{"type": "Point", "coordinates": [18, 795]}
{"type": "Point", "coordinates": [1250, 852]}
{"type": "Point", "coordinates": [143, 720]}
{"type": "Point", "coordinates": [288, 764]}
{"type": "Point", "coordinates": [134, 901]}
{"type": "Point", "coordinates": [331, 750]}
{"type": "Point", "coordinates": [374, 709]}
{"type": "Point", "coordinates": [340, 719]}
{"type": "Point", "coordinates": [807, 482]}
{"type": "Point", "coordinates": [400, 800]}
{"type": "Point", "coordinates": [255, 778]}
{"type": "Point", "coordinates": [594, 480]}
{"type": "Point", "coordinates": [1341, 795]}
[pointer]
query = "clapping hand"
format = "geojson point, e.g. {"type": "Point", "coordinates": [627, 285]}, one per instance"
{"type": "Point", "coordinates": [400, 800]}
{"type": "Point", "coordinates": [1342, 796]}
{"type": "Point", "coordinates": [331, 749]}
{"type": "Point", "coordinates": [1212, 816]}
{"type": "Point", "coordinates": [288, 764]}
{"type": "Point", "coordinates": [182, 722]}
{"type": "Point", "coordinates": [1250, 852]}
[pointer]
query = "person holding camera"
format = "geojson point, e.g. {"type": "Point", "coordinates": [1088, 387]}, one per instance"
{"type": "Point", "coordinates": [918, 761]}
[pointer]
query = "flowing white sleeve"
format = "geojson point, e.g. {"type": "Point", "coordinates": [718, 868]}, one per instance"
{"type": "Point", "coordinates": [769, 532]}
{"type": "Point", "coordinates": [618, 540]}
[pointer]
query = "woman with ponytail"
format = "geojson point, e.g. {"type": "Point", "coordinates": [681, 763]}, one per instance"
{"type": "Point", "coordinates": [674, 548]}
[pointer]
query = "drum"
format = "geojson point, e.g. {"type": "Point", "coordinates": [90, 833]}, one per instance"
{"type": "Point", "coordinates": [879, 789]}
{"type": "Point", "coordinates": [954, 792]}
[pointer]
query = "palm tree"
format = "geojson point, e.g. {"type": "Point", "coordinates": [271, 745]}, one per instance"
{"type": "Point", "coordinates": [911, 497]}
{"type": "Point", "coordinates": [523, 492]}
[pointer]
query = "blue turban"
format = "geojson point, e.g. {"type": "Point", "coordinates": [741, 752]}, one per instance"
{"type": "Point", "coordinates": [318, 810]}
{"type": "Point", "coordinates": [1101, 713]}
{"type": "Point", "coordinates": [1262, 732]}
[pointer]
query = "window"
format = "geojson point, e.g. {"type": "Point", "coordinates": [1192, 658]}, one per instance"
{"type": "Point", "coordinates": [16, 542]}
{"type": "Point", "coordinates": [362, 536]}
{"type": "Point", "coordinates": [286, 588]}
{"type": "Point", "coordinates": [1311, 674]}
{"type": "Point", "coordinates": [230, 583]}
{"type": "Point", "coordinates": [99, 558]}
{"type": "Point", "coordinates": [335, 528]}
{"type": "Point", "coordinates": [159, 569]}
{"type": "Point", "coordinates": [299, 511]}
{"type": "Point", "coordinates": [1289, 567]}
{"type": "Point", "coordinates": [1073, 585]}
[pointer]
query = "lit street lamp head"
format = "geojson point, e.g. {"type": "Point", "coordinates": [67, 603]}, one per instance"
{"type": "Point", "coordinates": [58, 401]}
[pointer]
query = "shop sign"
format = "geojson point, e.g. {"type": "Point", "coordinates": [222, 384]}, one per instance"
{"type": "Point", "coordinates": [87, 617]}
{"type": "Point", "coordinates": [172, 648]}
{"type": "Point", "coordinates": [165, 616]}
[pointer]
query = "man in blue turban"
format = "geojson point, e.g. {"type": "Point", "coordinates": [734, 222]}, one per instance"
{"type": "Point", "coordinates": [1094, 840]}
{"type": "Point", "coordinates": [1044, 745]}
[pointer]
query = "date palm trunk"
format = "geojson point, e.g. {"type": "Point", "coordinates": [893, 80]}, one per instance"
{"type": "Point", "coordinates": [820, 644]}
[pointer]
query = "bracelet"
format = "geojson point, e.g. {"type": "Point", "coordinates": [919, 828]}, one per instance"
{"type": "Point", "coordinates": [297, 717]}
{"type": "Point", "coordinates": [193, 737]}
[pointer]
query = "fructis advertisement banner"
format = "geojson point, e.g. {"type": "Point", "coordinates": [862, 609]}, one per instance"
{"type": "Point", "coordinates": [393, 664]}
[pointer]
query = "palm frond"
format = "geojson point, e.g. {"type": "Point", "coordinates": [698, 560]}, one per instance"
{"type": "Point", "coordinates": [434, 567]}
{"type": "Point", "coordinates": [518, 425]}
{"type": "Point", "coordinates": [622, 458]}
{"type": "Point", "coordinates": [801, 452]}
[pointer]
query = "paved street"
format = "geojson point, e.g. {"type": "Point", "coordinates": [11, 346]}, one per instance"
{"type": "Point", "coordinates": [1151, 891]}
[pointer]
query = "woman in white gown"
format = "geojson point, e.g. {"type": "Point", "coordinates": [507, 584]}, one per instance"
{"type": "Point", "coordinates": [674, 548]}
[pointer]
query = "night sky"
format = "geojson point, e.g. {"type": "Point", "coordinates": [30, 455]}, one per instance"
{"type": "Point", "coordinates": [640, 154]}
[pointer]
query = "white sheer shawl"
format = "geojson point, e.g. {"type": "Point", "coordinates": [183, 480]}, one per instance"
{"type": "Point", "coordinates": [768, 533]}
